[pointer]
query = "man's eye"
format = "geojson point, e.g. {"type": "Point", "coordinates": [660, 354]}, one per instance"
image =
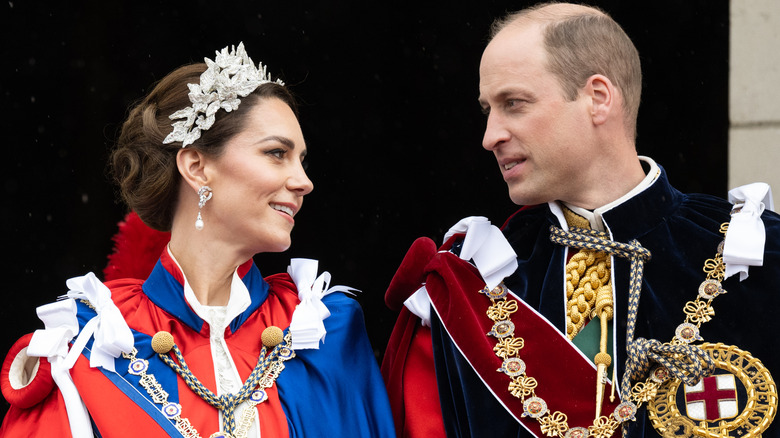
{"type": "Point", "coordinates": [515, 104]}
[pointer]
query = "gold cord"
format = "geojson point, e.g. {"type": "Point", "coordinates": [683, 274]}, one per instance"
{"type": "Point", "coordinates": [589, 295]}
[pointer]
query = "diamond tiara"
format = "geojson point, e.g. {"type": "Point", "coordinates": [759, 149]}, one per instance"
{"type": "Point", "coordinates": [229, 76]}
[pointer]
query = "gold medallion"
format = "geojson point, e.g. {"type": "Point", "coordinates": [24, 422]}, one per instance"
{"type": "Point", "coordinates": [713, 408]}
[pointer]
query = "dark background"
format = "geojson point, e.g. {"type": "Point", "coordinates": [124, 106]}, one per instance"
{"type": "Point", "coordinates": [388, 93]}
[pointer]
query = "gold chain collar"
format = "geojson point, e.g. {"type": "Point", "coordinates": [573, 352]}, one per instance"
{"type": "Point", "coordinates": [173, 411]}
{"type": "Point", "coordinates": [554, 424]}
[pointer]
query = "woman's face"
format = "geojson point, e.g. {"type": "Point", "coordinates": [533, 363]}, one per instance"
{"type": "Point", "coordinates": [258, 181]}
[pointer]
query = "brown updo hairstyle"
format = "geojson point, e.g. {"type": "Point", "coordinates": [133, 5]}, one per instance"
{"type": "Point", "coordinates": [145, 169]}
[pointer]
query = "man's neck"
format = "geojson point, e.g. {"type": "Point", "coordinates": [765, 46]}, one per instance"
{"type": "Point", "coordinates": [651, 172]}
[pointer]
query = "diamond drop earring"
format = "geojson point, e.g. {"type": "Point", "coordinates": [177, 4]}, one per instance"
{"type": "Point", "coordinates": [204, 194]}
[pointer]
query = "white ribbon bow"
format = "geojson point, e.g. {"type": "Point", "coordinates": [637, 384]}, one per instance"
{"type": "Point", "coordinates": [746, 236]}
{"type": "Point", "coordinates": [61, 324]}
{"type": "Point", "coordinates": [487, 246]}
{"type": "Point", "coordinates": [419, 303]}
{"type": "Point", "coordinates": [306, 327]}
{"type": "Point", "coordinates": [112, 335]}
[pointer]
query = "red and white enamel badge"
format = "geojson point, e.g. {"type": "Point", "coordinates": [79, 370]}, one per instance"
{"type": "Point", "coordinates": [714, 398]}
{"type": "Point", "coordinates": [713, 408]}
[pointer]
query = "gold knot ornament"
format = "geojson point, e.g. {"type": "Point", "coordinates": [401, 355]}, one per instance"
{"type": "Point", "coordinates": [272, 336]}
{"type": "Point", "coordinates": [162, 342]}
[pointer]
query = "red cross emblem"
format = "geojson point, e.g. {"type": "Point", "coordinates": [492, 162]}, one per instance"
{"type": "Point", "coordinates": [713, 398]}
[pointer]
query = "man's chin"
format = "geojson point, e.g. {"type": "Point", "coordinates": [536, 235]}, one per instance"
{"type": "Point", "coordinates": [523, 198]}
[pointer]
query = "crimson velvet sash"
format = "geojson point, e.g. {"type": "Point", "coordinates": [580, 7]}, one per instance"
{"type": "Point", "coordinates": [566, 379]}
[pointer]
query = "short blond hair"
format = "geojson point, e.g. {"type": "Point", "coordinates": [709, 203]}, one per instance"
{"type": "Point", "coordinates": [581, 41]}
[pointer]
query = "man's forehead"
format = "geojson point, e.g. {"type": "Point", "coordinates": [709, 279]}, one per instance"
{"type": "Point", "coordinates": [512, 49]}
{"type": "Point", "coordinates": [512, 40]}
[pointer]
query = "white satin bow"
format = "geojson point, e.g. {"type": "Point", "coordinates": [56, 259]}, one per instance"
{"type": "Point", "coordinates": [744, 246]}
{"type": "Point", "coordinates": [61, 324]}
{"type": "Point", "coordinates": [306, 327]}
{"type": "Point", "coordinates": [487, 246]}
{"type": "Point", "coordinates": [112, 335]}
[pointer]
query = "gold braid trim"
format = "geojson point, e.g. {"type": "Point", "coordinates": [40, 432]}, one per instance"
{"type": "Point", "coordinates": [588, 289]}
{"type": "Point", "coordinates": [587, 277]}
{"type": "Point", "coordinates": [589, 296]}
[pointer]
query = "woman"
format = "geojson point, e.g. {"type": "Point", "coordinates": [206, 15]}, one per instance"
{"type": "Point", "coordinates": [205, 346]}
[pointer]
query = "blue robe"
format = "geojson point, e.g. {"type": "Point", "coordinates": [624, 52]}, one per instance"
{"type": "Point", "coordinates": [335, 390]}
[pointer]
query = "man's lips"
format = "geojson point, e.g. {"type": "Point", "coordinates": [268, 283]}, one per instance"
{"type": "Point", "coordinates": [508, 164]}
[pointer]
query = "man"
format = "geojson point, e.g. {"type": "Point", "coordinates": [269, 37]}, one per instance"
{"type": "Point", "coordinates": [515, 333]}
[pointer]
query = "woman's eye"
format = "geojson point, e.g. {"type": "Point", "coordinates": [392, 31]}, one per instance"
{"type": "Point", "coordinates": [277, 153]}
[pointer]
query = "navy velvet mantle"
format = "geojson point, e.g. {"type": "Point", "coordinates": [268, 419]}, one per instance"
{"type": "Point", "coordinates": [681, 231]}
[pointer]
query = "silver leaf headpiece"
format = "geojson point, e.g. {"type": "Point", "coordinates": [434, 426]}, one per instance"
{"type": "Point", "coordinates": [229, 76]}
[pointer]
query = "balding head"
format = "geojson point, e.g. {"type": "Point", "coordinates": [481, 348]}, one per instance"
{"type": "Point", "coordinates": [543, 13]}
{"type": "Point", "coordinates": [581, 41]}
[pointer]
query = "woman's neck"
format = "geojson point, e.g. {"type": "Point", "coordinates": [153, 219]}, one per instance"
{"type": "Point", "coordinates": [207, 264]}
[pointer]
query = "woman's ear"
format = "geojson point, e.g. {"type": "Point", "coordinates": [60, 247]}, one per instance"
{"type": "Point", "coordinates": [191, 164]}
{"type": "Point", "coordinates": [601, 92]}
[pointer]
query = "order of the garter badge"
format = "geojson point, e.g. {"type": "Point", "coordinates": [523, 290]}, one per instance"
{"type": "Point", "coordinates": [739, 400]}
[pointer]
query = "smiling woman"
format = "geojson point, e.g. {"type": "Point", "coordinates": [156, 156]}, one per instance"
{"type": "Point", "coordinates": [204, 345]}
{"type": "Point", "coordinates": [258, 184]}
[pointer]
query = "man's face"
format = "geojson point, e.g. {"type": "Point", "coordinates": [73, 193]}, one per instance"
{"type": "Point", "coordinates": [539, 138]}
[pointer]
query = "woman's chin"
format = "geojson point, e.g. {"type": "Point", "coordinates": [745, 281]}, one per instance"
{"type": "Point", "coordinates": [275, 247]}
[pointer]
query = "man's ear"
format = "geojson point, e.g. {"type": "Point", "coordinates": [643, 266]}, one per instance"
{"type": "Point", "coordinates": [602, 94]}
{"type": "Point", "coordinates": [191, 164]}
